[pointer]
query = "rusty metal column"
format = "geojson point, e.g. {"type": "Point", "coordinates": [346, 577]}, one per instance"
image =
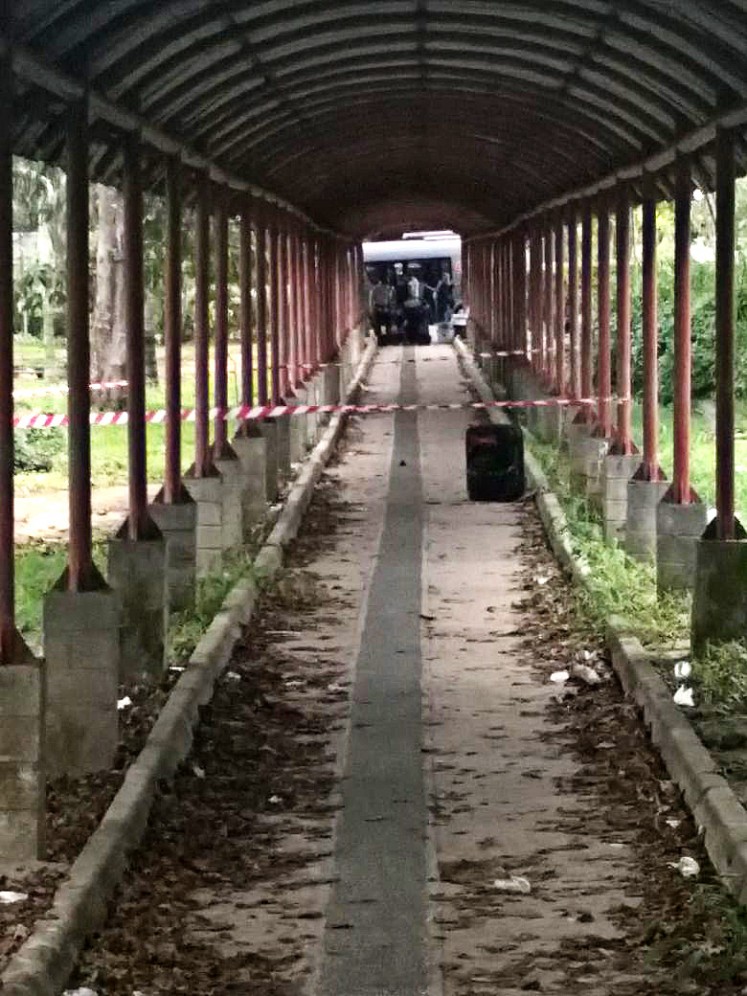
{"type": "Point", "coordinates": [7, 548]}
{"type": "Point", "coordinates": [203, 462]}
{"type": "Point", "coordinates": [134, 290]}
{"type": "Point", "coordinates": [298, 311]}
{"type": "Point", "coordinates": [623, 442]}
{"type": "Point", "coordinates": [309, 297]}
{"type": "Point", "coordinates": [587, 332]}
{"type": "Point", "coordinates": [262, 309]}
{"type": "Point", "coordinates": [276, 277]}
{"type": "Point", "coordinates": [682, 346]}
{"type": "Point", "coordinates": [246, 318]}
{"type": "Point", "coordinates": [521, 294]}
{"type": "Point", "coordinates": [548, 291]}
{"type": "Point", "coordinates": [172, 324]}
{"type": "Point", "coordinates": [220, 386]}
{"type": "Point", "coordinates": [726, 525]}
{"type": "Point", "coordinates": [604, 366]}
{"type": "Point", "coordinates": [575, 359]}
{"type": "Point", "coordinates": [285, 260]}
{"type": "Point", "coordinates": [80, 559]}
{"type": "Point", "coordinates": [650, 466]}
{"type": "Point", "coordinates": [559, 307]}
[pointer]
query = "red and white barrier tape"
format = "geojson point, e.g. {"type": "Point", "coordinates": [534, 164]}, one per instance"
{"type": "Point", "coordinates": [42, 420]}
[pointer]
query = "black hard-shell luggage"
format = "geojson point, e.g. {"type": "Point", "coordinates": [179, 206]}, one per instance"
{"type": "Point", "coordinates": [495, 463]}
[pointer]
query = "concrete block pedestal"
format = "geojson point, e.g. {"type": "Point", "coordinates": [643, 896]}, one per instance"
{"type": "Point", "coordinates": [178, 524]}
{"type": "Point", "coordinates": [207, 493]}
{"type": "Point", "coordinates": [678, 532]}
{"type": "Point", "coordinates": [587, 456]}
{"type": "Point", "coordinates": [283, 437]}
{"type": "Point", "coordinates": [229, 467]}
{"type": "Point", "coordinates": [640, 527]}
{"type": "Point", "coordinates": [719, 611]}
{"type": "Point", "coordinates": [137, 571]}
{"type": "Point", "coordinates": [298, 439]}
{"type": "Point", "coordinates": [250, 447]}
{"type": "Point", "coordinates": [82, 650]}
{"type": "Point", "coordinates": [22, 756]}
{"type": "Point", "coordinates": [617, 471]}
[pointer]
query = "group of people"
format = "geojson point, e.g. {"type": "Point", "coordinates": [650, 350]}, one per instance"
{"type": "Point", "coordinates": [403, 305]}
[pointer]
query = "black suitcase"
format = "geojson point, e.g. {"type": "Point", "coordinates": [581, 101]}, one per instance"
{"type": "Point", "coordinates": [495, 463]}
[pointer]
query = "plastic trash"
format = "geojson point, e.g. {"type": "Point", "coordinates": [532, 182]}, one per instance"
{"type": "Point", "coordinates": [586, 674]}
{"type": "Point", "coordinates": [124, 703]}
{"type": "Point", "coordinates": [560, 677]}
{"type": "Point", "coordinates": [516, 883]}
{"type": "Point", "coordinates": [684, 696]}
{"type": "Point", "coordinates": [7, 897]}
{"type": "Point", "coordinates": [683, 669]}
{"type": "Point", "coordinates": [673, 823]}
{"type": "Point", "coordinates": [687, 867]}
{"type": "Point", "coordinates": [274, 800]}
{"type": "Point", "coordinates": [84, 991]}
{"type": "Point", "coordinates": [198, 771]}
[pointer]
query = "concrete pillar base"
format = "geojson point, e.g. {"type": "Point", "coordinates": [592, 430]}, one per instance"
{"type": "Point", "coordinates": [206, 492]}
{"type": "Point", "coordinates": [82, 649]}
{"type": "Point", "coordinates": [331, 389]}
{"type": "Point", "coordinates": [587, 456]}
{"type": "Point", "coordinates": [178, 525]}
{"type": "Point", "coordinates": [22, 756]}
{"type": "Point", "coordinates": [312, 421]}
{"type": "Point", "coordinates": [251, 449]}
{"type": "Point", "coordinates": [720, 593]}
{"type": "Point", "coordinates": [640, 526]}
{"type": "Point", "coordinates": [232, 497]}
{"type": "Point", "coordinates": [282, 423]}
{"type": "Point", "coordinates": [297, 428]}
{"type": "Point", "coordinates": [678, 532]}
{"type": "Point", "coordinates": [136, 570]}
{"type": "Point", "coordinates": [269, 431]}
{"type": "Point", "coordinates": [549, 423]}
{"type": "Point", "coordinates": [617, 471]}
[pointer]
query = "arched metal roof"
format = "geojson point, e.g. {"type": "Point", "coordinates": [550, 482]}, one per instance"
{"type": "Point", "coordinates": [462, 112]}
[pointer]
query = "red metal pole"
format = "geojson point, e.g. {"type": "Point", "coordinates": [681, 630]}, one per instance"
{"type": "Point", "coordinates": [172, 323]}
{"type": "Point", "coordinates": [135, 318]}
{"type": "Point", "coordinates": [7, 549]}
{"type": "Point", "coordinates": [524, 340]}
{"type": "Point", "coordinates": [575, 357]}
{"type": "Point", "coordinates": [559, 307]}
{"type": "Point", "coordinates": [80, 559]}
{"type": "Point", "coordinates": [308, 357]}
{"type": "Point", "coordinates": [604, 367]}
{"type": "Point", "coordinates": [682, 346]}
{"type": "Point", "coordinates": [276, 283]}
{"type": "Point", "coordinates": [726, 524]}
{"type": "Point", "coordinates": [262, 309]}
{"type": "Point", "coordinates": [650, 469]}
{"type": "Point", "coordinates": [624, 441]}
{"type": "Point", "coordinates": [203, 463]}
{"type": "Point", "coordinates": [587, 333]}
{"type": "Point", "coordinates": [220, 386]}
{"type": "Point", "coordinates": [549, 287]}
{"type": "Point", "coordinates": [298, 300]}
{"type": "Point", "coordinates": [246, 317]}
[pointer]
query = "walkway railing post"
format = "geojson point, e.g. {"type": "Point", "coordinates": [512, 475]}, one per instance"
{"type": "Point", "coordinates": [604, 368]}
{"type": "Point", "coordinates": [623, 444]}
{"type": "Point", "coordinates": [575, 357]}
{"type": "Point", "coordinates": [720, 596]}
{"type": "Point", "coordinates": [587, 330]}
{"type": "Point", "coordinates": [681, 518]}
{"type": "Point", "coordinates": [560, 310]}
{"type": "Point", "coordinates": [262, 302]}
{"type": "Point", "coordinates": [726, 526]}
{"type": "Point", "coordinates": [276, 283]}
{"type": "Point", "coordinates": [203, 464]}
{"type": "Point", "coordinates": [247, 317]}
{"type": "Point", "coordinates": [137, 567]}
{"type": "Point", "coordinates": [549, 301]}
{"type": "Point", "coordinates": [220, 350]}
{"type": "Point", "coordinates": [172, 481]}
{"type": "Point", "coordinates": [647, 485]}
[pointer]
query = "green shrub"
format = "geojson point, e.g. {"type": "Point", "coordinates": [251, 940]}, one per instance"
{"type": "Point", "coordinates": [35, 449]}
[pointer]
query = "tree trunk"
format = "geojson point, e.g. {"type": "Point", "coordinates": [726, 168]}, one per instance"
{"type": "Point", "coordinates": [108, 353]}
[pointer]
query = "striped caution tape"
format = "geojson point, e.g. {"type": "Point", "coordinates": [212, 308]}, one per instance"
{"type": "Point", "coordinates": [45, 420]}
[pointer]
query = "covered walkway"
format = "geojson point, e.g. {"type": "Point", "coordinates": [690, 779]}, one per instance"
{"type": "Point", "coordinates": [428, 756]}
{"type": "Point", "coordinates": [279, 135]}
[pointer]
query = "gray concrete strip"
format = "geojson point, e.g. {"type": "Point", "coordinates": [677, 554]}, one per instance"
{"type": "Point", "coordinates": [43, 964]}
{"type": "Point", "coordinates": [708, 795]}
{"type": "Point", "coordinates": [375, 939]}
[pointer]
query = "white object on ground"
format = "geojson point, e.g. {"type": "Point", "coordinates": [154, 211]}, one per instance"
{"type": "Point", "coordinates": [683, 669]}
{"type": "Point", "coordinates": [124, 703]}
{"type": "Point", "coordinates": [198, 771]}
{"type": "Point", "coordinates": [84, 991]}
{"type": "Point", "coordinates": [516, 883]}
{"type": "Point", "coordinates": [684, 696]}
{"type": "Point", "coordinates": [559, 677]}
{"type": "Point", "coordinates": [586, 674]}
{"type": "Point", "coordinates": [673, 823]}
{"type": "Point", "coordinates": [274, 800]}
{"type": "Point", "coordinates": [8, 896]}
{"type": "Point", "coordinates": [687, 867]}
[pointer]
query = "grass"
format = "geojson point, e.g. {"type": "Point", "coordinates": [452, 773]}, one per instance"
{"type": "Point", "coordinates": [617, 585]}
{"type": "Point", "coordinates": [720, 677]}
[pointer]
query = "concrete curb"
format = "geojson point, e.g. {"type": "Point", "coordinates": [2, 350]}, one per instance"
{"type": "Point", "coordinates": [707, 794]}
{"type": "Point", "coordinates": [42, 966]}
